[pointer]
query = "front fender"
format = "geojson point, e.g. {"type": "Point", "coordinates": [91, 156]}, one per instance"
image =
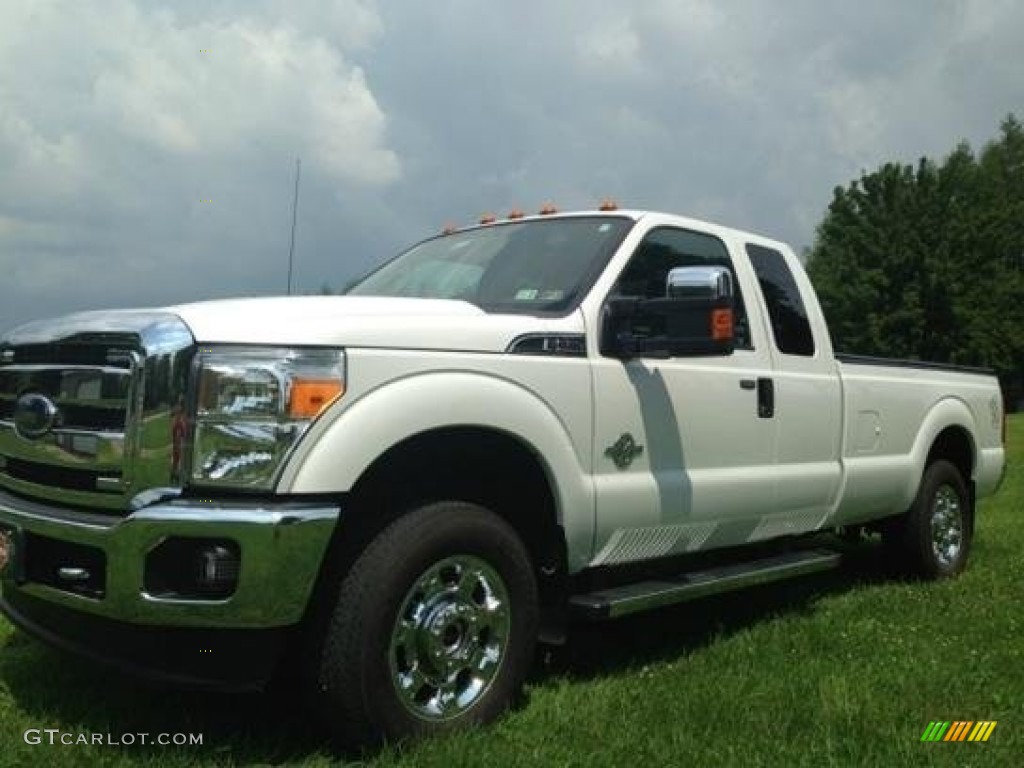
{"type": "Point", "coordinates": [343, 445]}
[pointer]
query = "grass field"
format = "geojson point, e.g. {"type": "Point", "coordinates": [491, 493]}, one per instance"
{"type": "Point", "coordinates": [846, 668]}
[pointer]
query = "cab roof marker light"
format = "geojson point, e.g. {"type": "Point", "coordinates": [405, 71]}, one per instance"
{"type": "Point", "coordinates": [548, 208]}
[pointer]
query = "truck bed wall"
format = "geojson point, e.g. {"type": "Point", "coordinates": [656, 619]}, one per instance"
{"type": "Point", "coordinates": [893, 413]}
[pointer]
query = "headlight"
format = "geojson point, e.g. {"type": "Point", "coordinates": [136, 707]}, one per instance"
{"type": "Point", "coordinates": [253, 405]}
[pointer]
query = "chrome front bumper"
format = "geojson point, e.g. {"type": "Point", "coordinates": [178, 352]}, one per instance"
{"type": "Point", "coordinates": [281, 544]}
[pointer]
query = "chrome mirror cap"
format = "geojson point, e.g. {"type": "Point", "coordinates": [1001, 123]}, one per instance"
{"type": "Point", "coordinates": [699, 282]}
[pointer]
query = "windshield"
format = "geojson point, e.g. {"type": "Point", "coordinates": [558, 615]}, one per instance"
{"type": "Point", "coordinates": [536, 266]}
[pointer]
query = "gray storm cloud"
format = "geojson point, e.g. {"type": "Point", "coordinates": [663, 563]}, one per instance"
{"type": "Point", "coordinates": [147, 149]}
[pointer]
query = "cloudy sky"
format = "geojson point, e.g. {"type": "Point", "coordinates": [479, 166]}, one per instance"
{"type": "Point", "coordinates": [147, 149]}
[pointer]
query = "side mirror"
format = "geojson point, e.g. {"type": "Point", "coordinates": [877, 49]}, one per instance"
{"type": "Point", "coordinates": [695, 317]}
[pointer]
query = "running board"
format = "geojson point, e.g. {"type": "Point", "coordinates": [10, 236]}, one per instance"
{"type": "Point", "coordinates": [644, 595]}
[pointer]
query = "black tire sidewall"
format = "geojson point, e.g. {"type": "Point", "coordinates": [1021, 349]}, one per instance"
{"type": "Point", "coordinates": [376, 588]}
{"type": "Point", "coordinates": [919, 528]}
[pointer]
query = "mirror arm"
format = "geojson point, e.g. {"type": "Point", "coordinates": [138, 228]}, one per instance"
{"type": "Point", "coordinates": [626, 345]}
{"type": "Point", "coordinates": [629, 347]}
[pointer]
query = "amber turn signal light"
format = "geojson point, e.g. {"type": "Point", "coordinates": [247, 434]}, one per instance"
{"type": "Point", "coordinates": [721, 324]}
{"type": "Point", "coordinates": [310, 397]}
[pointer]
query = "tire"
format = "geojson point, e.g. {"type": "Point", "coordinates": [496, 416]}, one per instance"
{"type": "Point", "coordinates": [434, 629]}
{"type": "Point", "coordinates": [933, 539]}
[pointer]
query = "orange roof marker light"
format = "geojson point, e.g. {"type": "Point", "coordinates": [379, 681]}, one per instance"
{"type": "Point", "coordinates": [608, 205]}
{"type": "Point", "coordinates": [547, 209]}
{"type": "Point", "coordinates": [488, 218]}
{"type": "Point", "coordinates": [449, 229]}
{"type": "Point", "coordinates": [516, 213]}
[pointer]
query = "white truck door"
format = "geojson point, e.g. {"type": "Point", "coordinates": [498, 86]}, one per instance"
{"type": "Point", "coordinates": [683, 459]}
{"type": "Point", "coordinates": [808, 394]}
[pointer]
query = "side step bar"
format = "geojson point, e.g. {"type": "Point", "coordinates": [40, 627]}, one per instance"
{"type": "Point", "coordinates": [644, 595]}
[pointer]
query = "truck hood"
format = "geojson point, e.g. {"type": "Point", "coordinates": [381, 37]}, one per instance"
{"type": "Point", "coordinates": [362, 321]}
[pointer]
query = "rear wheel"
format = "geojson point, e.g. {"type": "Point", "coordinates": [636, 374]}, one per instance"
{"type": "Point", "coordinates": [434, 628]}
{"type": "Point", "coordinates": [933, 539]}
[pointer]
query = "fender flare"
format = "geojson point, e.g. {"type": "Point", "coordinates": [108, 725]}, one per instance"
{"type": "Point", "coordinates": [946, 413]}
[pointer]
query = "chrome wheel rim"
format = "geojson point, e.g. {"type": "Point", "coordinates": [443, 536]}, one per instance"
{"type": "Point", "coordinates": [450, 637]}
{"type": "Point", "coordinates": [947, 526]}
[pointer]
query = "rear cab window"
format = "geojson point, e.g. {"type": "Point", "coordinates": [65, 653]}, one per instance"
{"type": "Point", "coordinates": [790, 327]}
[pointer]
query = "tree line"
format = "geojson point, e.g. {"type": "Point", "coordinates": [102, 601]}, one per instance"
{"type": "Point", "coordinates": [927, 262]}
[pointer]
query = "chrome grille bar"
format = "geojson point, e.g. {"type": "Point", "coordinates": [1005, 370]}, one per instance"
{"type": "Point", "coordinates": [94, 399]}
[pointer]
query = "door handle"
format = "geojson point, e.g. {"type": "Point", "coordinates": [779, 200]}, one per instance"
{"type": "Point", "coordinates": [765, 398]}
{"type": "Point", "coordinates": [747, 384]}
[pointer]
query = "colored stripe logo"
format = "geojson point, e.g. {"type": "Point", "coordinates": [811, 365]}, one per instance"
{"type": "Point", "coordinates": [959, 730]}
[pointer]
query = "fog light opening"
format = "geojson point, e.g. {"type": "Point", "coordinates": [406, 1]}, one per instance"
{"type": "Point", "coordinates": [217, 570]}
{"type": "Point", "coordinates": [186, 568]}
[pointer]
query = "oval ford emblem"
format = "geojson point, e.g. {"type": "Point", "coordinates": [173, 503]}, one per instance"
{"type": "Point", "coordinates": [34, 415]}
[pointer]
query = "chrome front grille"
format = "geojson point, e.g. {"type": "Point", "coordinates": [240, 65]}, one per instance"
{"type": "Point", "coordinates": [105, 389]}
{"type": "Point", "coordinates": [84, 451]}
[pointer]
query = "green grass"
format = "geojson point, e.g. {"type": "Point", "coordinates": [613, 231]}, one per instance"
{"type": "Point", "coordinates": [845, 668]}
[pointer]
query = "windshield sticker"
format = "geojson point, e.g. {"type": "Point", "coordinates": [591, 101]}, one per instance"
{"type": "Point", "coordinates": [604, 227]}
{"type": "Point", "coordinates": [526, 294]}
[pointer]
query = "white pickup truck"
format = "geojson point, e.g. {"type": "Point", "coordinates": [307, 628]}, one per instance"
{"type": "Point", "coordinates": [414, 483]}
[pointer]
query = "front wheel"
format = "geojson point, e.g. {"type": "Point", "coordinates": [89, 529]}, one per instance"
{"type": "Point", "coordinates": [934, 538]}
{"type": "Point", "coordinates": [434, 628]}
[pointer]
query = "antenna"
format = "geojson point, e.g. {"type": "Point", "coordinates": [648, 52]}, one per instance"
{"type": "Point", "coordinates": [295, 208]}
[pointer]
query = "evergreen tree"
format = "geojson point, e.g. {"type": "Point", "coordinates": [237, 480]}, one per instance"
{"type": "Point", "coordinates": [927, 262]}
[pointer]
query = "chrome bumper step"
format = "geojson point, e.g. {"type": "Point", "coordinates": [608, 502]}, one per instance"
{"type": "Point", "coordinates": [645, 595]}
